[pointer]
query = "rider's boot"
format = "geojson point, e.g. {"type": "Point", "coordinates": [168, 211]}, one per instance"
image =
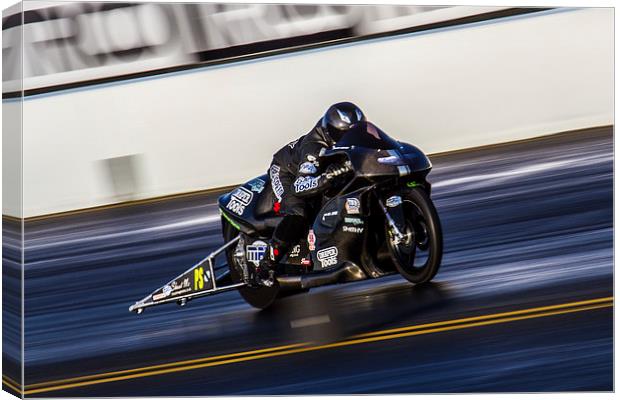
{"type": "Point", "coordinates": [289, 230]}
{"type": "Point", "coordinates": [265, 272]}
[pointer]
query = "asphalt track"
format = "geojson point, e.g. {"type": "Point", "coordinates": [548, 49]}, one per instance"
{"type": "Point", "coordinates": [523, 301]}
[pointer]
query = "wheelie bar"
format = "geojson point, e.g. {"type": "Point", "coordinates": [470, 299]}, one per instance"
{"type": "Point", "coordinates": [198, 281]}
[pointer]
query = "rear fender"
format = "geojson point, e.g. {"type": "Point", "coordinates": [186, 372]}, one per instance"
{"type": "Point", "coordinates": [240, 206]}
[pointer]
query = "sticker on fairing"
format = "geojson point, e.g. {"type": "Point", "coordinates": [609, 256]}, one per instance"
{"type": "Point", "coordinates": [352, 229]}
{"type": "Point", "coordinates": [329, 214]}
{"type": "Point", "coordinates": [352, 205]}
{"type": "Point", "coordinates": [295, 251]}
{"type": "Point", "coordinates": [328, 257]}
{"type": "Point", "coordinates": [257, 185]}
{"type": "Point", "coordinates": [239, 199]}
{"type": "Point", "coordinates": [243, 195]}
{"type": "Point", "coordinates": [311, 240]}
{"type": "Point", "coordinates": [255, 252]}
{"type": "Point", "coordinates": [305, 183]}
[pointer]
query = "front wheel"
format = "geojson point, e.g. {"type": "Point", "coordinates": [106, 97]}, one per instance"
{"type": "Point", "coordinates": [418, 256]}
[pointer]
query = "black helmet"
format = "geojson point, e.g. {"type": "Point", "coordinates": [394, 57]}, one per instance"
{"type": "Point", "coordinates": [341, 117]}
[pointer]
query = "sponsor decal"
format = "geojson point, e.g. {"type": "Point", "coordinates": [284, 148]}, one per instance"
{"type": "Point", "coordinates": [174, 288]}
{"type": "Point", "coordinates": [394, 201]}
{"type": "Point", "coordinates": [305, 262]}
{"type": "Point", "coordinates": [293, 143]}
{"type": "Point", "coordinates": [305, 183]}
{"type": "Point", "coordinates": [307, 168]}
{"type": "Point", "coordinates": [243, 195]}
{"type": "Point", "coordinates": [159, 296]}
{"type": "Point", "coordinates": [328, 257]}
{"type": "Point", "coordinates": [295, 252]}
{"type": "Point", "coordinates": [183, 291]}
{"type": "Point", "coordinates": [184, 284]}
{"type": "Point", "coordinates": [311, 240]}
{"type": "Point", "coordinates": [239, 199]}
{"type": "Point", "coordinates": [255, 252]}
{"type": "Point", "coordinates": [352, 205]}
{"type": "Point", "coordinates": [354, 221]}
{"type": "Point", "coordinates": [235, 206]}
{"type": "Point", "coordinates": [352, 229]}
{"type": "Point", "coordinates": [257, 185]}
{"type": "Point", "coordinates": [276, 184]}
{"type": "Point", "coordinates": [329, 214]}
{"type": "Point", "coordinates": [200, 277]}
{"type": "Point", "coordinates": [390, 160]}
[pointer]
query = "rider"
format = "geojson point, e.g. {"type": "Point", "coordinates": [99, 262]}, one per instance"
{"type": "Point", "coordinates": [295, 178]}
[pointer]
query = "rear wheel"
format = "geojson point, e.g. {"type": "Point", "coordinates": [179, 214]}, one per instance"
{"type": "Point", "coordinates": [418, 257]}
{"type": "Point", "coordinates": [258, 297]}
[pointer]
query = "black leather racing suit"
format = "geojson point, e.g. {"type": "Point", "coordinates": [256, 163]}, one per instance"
{"type": "Point", "coordinates": [294, 178]}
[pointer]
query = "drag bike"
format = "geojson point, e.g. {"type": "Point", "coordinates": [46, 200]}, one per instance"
{"type": "Point", "coordinates": [379, 220]}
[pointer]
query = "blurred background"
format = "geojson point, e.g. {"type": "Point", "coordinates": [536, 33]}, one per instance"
{"type": "Point", "coordinates": [197, 96]}
{"type": "Point", "coordinates": [126, 102]}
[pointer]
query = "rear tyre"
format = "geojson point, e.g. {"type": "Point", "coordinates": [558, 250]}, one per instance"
{"type": "Point", "coordinates": [418, 258]}
{"type": "Point", "coordinates": [259, 297]}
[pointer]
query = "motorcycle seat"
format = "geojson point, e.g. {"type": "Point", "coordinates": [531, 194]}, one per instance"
{"type": "Point", "coordinates": [265, 218]}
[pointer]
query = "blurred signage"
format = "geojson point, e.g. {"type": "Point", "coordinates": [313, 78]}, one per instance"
{"type": "Point", "coordinates": [75, 44]}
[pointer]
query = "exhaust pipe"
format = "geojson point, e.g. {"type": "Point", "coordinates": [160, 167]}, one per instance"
{"type": "Point", "coordinates": [348, 272]}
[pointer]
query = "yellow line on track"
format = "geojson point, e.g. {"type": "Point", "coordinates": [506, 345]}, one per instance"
{"type": "Point", "coordinates": [10, 380]}
{"type": "Point", "coordinates": [170, 364]}
{"type": "Point", "coordinates": [414, 330]}
{"type": "Point", "coordinates": [487, 316]}
{"type": "Point", "coordinates": [9, 384]}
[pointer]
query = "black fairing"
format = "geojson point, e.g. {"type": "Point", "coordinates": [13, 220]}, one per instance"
{"type": "Point", "coordinates": [251, 207]}
{"type": "Point", "coordinates": [376, 156]}
{"type": "Point", "coordinates": [339, 229]}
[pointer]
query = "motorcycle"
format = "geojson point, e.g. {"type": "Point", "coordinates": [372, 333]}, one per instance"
{"type": "Point", "coordinates": [380, 220]}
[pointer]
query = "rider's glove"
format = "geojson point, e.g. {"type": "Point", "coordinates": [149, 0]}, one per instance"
{"type": "Point", "coordinates": [336, 170]}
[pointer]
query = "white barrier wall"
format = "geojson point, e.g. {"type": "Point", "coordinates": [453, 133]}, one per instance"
{"type": "Point", "coordinates": [458, 87]}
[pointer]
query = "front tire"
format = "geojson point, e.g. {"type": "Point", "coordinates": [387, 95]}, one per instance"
{"type": "Point", "coordinates": [259, 297]}
{"type": "Point", "coordinates": [423, 232]}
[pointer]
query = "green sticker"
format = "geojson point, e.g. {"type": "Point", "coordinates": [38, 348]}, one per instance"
{"type": "Point", "coordinates": [233, 223]}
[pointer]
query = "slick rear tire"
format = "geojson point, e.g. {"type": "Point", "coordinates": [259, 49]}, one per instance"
{"type": "Point", "coordinates": [258, 297]}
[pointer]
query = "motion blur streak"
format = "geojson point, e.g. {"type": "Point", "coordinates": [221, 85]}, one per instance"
{"type": "Point", "coordinates": [491, 316]}
{"type": "Point", "coordinates": [533, 229]}
{"type": "Point", "coordinates": [245, 353]}
{"type": "Point", "coordinates": [373, 338]}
